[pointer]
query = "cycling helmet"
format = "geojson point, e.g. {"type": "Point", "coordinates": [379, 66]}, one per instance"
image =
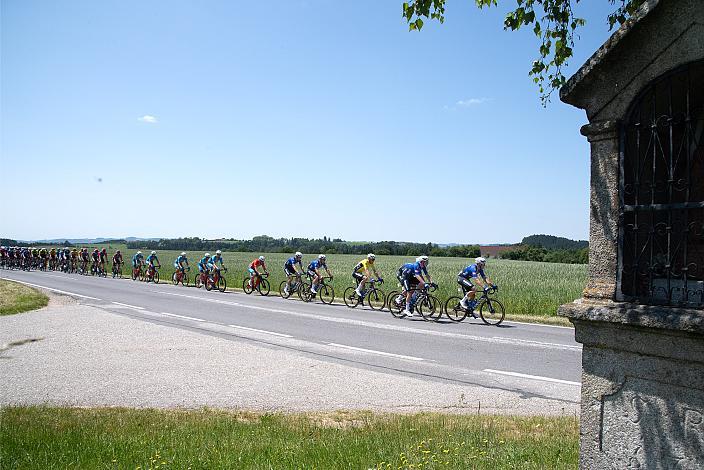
{"type": "Point", "coordinates": [153, 252]}
{"type": "Point", "coordinates": [95, 251]}
{"type": "Point", "coordinates": [105, 250]}
{"type": "Point", "coordinates": [183, 253]}
{"type": "Point", "coordinates": [139, 252]}
{"type": "Point", "coordinates": [321, 256]}
{"type": "Point", "coordinates": [218, 252]}
{"type": "Point", "coordinates": [422, 258]}
{"type": "Point", "coordinates": [117, 252]}
{"type": "Point", "coordinates": [371, 256]}
{"type": "Point", "coordinates": [261, 258]}
{"type": "Point", "coordinates": [207, 255]}
{"type": "Point", "coordinates": [299, 254]}
{"type": "Point", "coordinates": [480, 259]}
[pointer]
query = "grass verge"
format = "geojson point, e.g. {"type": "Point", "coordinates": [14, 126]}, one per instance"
{"type": "Point", "coordinates": [17, 298]}
{"type": "Point", "coordinates": [47, 437]}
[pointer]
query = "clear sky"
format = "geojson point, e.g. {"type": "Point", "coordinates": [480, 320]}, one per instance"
{"type": "Point", "coordinates": [290, 118]}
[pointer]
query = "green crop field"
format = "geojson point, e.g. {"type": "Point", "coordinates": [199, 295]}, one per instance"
{"type": "Point", "coordinates": [525, 287]}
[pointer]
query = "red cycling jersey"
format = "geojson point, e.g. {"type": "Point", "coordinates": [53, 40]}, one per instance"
{"type": "Point", "coordinates": [257, 262]}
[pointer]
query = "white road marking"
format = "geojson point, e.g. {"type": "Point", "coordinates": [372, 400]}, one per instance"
{"type": "Point", "coordinates": [372, 351]}
{"type": "Point", "coordinates": [181, 316]}
{"type": "Point", "coordinates": [533, 377]}
{"type": "Point", "coordinates": [260, 331]}
{"type": "Point", "coordinates": [542, 325]}
{"type": "Point", "coordinates": [52, 289]}
{"type": "Point", "coordinates": [128, 306]}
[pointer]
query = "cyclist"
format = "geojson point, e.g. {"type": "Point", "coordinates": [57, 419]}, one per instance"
{"type": "Point", "coordinates": [137, 260]}
{"type": "Point", "coordinates": [67, 258]}
{"type": "Point", "coordinates": [204, 265]}
{"type": "Point", "coordinates": [96, 259]}
{"type": "Point", "coordinates": [254, 274]}
{"type": "Point", "coordinates": [314, 272]}
{"type": "Point", "coordinates": [215, 260]}
{"type": "Point", "coordinates": [180, 261]}
{"type": "Point", "coordinates": [103, 259]}
{"type": "Point", "coordinates": [472, 273]}
{"type": "Point", "coordinates": [117, 261]}
{"type": "Point", "coordinates": [412, 274]}
{"type": "Point", "coordinates": [153, 261]}
{"type": "Point", "coordinates": [85, 258]}
{"type": "Point", "coordinates": [43, 256]}
{"type": "Point", "coordinates": [290, 269]}
{"type": "Point", "coordinates": [52, 258]}
{"type": "Point", "coordinates": [362, 272]}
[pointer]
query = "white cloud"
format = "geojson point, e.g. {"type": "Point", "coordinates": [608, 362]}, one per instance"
{"type": "Point", "coordinates": [148, 119]}
{"type": "Point", "coordinates": [472, 102]}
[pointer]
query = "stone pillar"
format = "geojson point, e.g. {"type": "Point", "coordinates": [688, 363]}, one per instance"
{"type": "Point", "coordinates": [603, 214]}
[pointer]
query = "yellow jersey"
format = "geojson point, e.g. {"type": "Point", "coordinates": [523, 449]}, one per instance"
{"type": "Point", "coordinates": [365, 265]}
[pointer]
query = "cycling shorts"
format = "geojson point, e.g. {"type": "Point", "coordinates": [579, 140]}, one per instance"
{"type": "Point", "coordinates": [357, 276]}
{"type": "Point", "coordinates": [465, 283]}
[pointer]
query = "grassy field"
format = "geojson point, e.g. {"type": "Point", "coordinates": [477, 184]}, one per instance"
{"type": "Point", "coordinates": [46, 438]}
{"type": "Point", "coordinates": [526, 288]}
{"type": "Point", "coordinates": [17, 298]}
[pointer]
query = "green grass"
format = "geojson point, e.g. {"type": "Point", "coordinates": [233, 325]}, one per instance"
{"type": "Point", "coordinates": [46, 438]}
{"type": "Point", "coordinates": [529, 290]}
{"type": "Point", "coordinates": [17, 298]}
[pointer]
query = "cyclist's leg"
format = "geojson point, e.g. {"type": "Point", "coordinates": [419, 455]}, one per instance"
{"type": "Point", "coordinates": [252, 281]}
{"type": "Point", "coordinates": [359, 278]}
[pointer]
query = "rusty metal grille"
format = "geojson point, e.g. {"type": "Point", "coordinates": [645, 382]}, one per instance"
{"type": "Point", "coordinates": [661, 237]}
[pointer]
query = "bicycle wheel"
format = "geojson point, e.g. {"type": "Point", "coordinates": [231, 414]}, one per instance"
{"type": "Point", "coordinates": [174, 278]}
{"type": "Point", "coordinates": [491, 311]}
{"type": "Point", "coordinates": [184, 280]}
{"type": "Point", "coordinates": [246, 287]}
{"type": "Point", "coordinates": [282, 292]}
{"type": "Point", "coordinates": [454, 310]}
{"type": "Point", "coordinates": [396, 308]}
{"type": "Point", "coordinates": [376, 299]}
{"type": "Point", "coordinates": [350, 297]}
{"type": "Point", "coordinates": [196, 281]}
{"type": "Point", "coordinates": [304, 292]}
{"type": "Point", "coordinates": [264, 287]}
{"type": "Point", "coordinates": [156, 277]}
{"type": "Point", "coordinates": [209, 283]}
{"type": "Point", "coordinates": [134, 274]}
{"type": "Point", "coordinates": [142, 275]}
{"type": "Point", "coordinates": [326, 293]}
{"type": "Point", "coordinates": [430, 308]}
{"type": "Point", "coordinates": [222, 284]}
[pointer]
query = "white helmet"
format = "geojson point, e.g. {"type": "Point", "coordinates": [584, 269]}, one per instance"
{"type": "Point", "coordinates": [321, 256]}
{"type": "Point", "coordinates": [480, 259]}
{"type": "Point", "coordinates": [207, 255]}
{"type": "Point", "coordinates": [422, 258]}
{"type": "Point", "coordinates": [261, 258]}
{"type": "Point", "coordinates": [299, 254]}
{"type": "Point", "coordinates": [183, 253]}
{"type": "Point", "coordinates": [371, 256]}
{"type": "Point", "coordinates": [218, 252]}
{"type": "Point", "coordinates": [139, 252]}
{"type": "Point", "coordinates": [153, 252]}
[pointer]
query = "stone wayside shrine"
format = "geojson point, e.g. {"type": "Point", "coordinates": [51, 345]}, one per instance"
{"type": "Point", "coordinates": [641, 319]}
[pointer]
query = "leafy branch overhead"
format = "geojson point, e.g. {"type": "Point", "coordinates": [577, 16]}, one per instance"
{"type": "Point", "coordinates": [553, 22]}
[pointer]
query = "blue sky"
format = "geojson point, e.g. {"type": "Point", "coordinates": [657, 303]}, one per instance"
{"type": "Point", "coordinates": [294, 118]}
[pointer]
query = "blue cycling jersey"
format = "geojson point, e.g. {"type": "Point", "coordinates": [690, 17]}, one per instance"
{"type": "Point", "coordinates": [316, 264]}
{"type": "Point", "coordinates": [152, 259]}
{"type": "Point", "coordinates": [204, 261]}
{"type": "Point", "coordinates": [413, 269]}
{"type": "Point", "coordinates": [472, 271]}
{"type": "Point", "coordinates": [291, 261]}
{"type": "Point", "coordinates": [137, 257]}
{"type": "Point", "coordinates": [215, 259]}
{"type": "Point", "coordinates": [181, 259]}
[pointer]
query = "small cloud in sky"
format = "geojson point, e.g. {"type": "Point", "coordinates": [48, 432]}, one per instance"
{"type": "Point", "coordinates": [148, 118]}
{"type": "Point", "coordinates": [471, 102]}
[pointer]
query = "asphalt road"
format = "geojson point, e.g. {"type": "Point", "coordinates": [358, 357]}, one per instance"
{"type": "Point", "coordinates": [532, 360]}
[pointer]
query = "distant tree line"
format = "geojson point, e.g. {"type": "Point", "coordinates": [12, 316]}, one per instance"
{"type": "Point", "coordinates": [266, 244]}
{"type": "Point", "coordinates": [550, 249]}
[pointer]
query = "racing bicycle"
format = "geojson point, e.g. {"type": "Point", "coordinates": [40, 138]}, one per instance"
{"type": "Point", "coordinates": [491, 310]}
{"type": "Point", "coordinates": [422, 301]}
{"type": "Point", "coordinates": [373, 296]}
{"type": "Point", "coordinates": [181, 276]}
{"type": "Point", "coordinates": [325, 292]}
{"type": "Point", "coordinates": [263, 286]}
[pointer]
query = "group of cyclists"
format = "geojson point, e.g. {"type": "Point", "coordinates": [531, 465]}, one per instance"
{"type": "Point", "coordinates": [409, 275]}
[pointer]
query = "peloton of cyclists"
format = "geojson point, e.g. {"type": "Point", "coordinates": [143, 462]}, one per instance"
{"type": "Point", "coordinates": [314, 271]}
{"type": "Point", "coordinates": [473, 272]}
{"type": "Point", "coordinates": [254, 274]}
{"type": "Point", "coordinates": [362, 272]}
{"type": "Point", "coordinates": [411, 275]}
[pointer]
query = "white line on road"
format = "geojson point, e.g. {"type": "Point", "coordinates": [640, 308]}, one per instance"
{"type": "Point", "coordinates": [52, 289]}
{"type": "Point", "coordinates": [246, 328]}
{"type": "Point", "coordinates": [396, 328]}
{"type": "Point", "coordinates": [181, 316]}
{"type": "Point", "coordinates": [380, 353]}
{"type": "Point", "coordinates": [129, 306]}
{"type": "Point", "coordinates": [533, 377]}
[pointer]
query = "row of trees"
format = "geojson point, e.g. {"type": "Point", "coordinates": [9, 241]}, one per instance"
{"type": "Point", "coordinates": [266, 244]}
{"type": "Point", "coordinates": [538, 253]}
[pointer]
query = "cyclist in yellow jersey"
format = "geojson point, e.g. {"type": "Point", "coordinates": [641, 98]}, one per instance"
{"type": "Point", "coordinates": [362, 273]}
